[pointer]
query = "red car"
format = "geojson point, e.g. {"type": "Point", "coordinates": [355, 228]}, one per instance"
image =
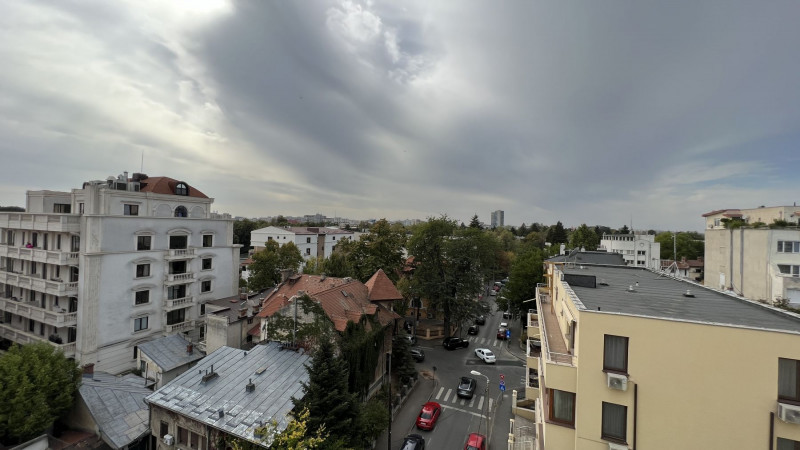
{"type": "Point", "coordinates": [475, 441]}
{"type": "Point", "coordinates": [428, 415]}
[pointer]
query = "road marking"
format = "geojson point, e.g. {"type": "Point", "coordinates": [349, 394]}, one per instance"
{"type": "Point", "coordinates": [455, 399]}
{"type": "Point", "coordinates": [490, 404]}
{"type": "Point", "coordinates": [463, 401]}
{"type": "Point", "coordinates": [441, 389]}
{"type": "Point", "coordinates": [480, 403]}
{"type": "Point", "coordinates": [464, 411]}
{"type": "Point", "coordinates": [471, 402]}
{"type": "Point", "coordinates": [446, 396]}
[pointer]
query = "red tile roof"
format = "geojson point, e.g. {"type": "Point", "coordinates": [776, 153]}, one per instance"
{"type": "Point", "coordinates": [166, 185]}
{"type": "Point", "coordinates": [381, 288]}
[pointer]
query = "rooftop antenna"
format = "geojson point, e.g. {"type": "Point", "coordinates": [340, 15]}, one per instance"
{"type": "Point", "coordinates": [141, 168]}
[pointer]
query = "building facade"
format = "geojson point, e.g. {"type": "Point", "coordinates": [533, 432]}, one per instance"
{"type": "Point", "coordinates": [97, 270]}
{"type": "Point", "coordinates": [639, 250]}
{"type": "Point", "coordinates": [498, 219]}
{"type": "Point", "coordinates": [620, 357]}
{"type": "Point", "coordinates": [313, 242]}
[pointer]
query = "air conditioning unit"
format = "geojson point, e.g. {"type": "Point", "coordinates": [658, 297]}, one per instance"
{"type": "Point", "coordinates": [169, 439]}
{"type": "Point", "coordinates": [612, 446]}
{"type": "Point", "coordinates": [789, 413]}
{"type": "Point", "coordinates": [617, 381]}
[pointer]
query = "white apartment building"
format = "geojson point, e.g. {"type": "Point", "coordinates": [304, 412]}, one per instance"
{"type": "Point", "coordinates": [118, 262]}
{"type": "Point", "coordinates": [498, 218]}
{"type": "Point", "coordinates": [759, 263]}
{"type": "Point", "coordinates": [639, 250]}
{"type": "Point", "coordinates": [313, 242]}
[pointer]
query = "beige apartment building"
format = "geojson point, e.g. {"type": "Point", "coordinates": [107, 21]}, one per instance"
{"type": "Point", "coordinates": [759, 263]}
{"type": "Point", "coordinates": [626, 358]}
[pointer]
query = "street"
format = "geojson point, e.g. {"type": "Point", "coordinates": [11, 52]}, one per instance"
{"type": "Point", "coordinates": [488, 412]}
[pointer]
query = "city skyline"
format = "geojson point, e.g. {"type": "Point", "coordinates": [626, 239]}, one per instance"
{"type": "Point", "coordinates": [580, 113]}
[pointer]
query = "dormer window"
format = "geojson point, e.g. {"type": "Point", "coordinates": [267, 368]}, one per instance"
{"type": "Point", "coordinates": [181, 189]}
{"type": "Point", "coordinates": [180, 211]}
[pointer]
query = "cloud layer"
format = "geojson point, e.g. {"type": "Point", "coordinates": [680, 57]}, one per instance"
{"type": "Point", "coordinates": [598, 113]}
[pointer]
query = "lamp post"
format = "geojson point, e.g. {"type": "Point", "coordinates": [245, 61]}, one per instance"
{"type": "Point", "coordinates": [475, 372]}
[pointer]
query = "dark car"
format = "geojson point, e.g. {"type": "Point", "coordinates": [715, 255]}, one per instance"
{"type": "Point", "coordinates": [413, 442]}
{"type": "Point", "coordinates": [418, 354]}
{"type": "Point", "coordinates": [472, 329]}
{"type": "Point", "coordinates": [453, 342]}
{"type": "Point", "coordinates": [466, 387]}
{"type": "Point", "coordinates": [501, 333]}
{"type": "Point", "coordinates": [480, 320]}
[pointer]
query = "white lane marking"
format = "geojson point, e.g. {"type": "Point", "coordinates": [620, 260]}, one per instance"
{"type": "Point", "coordinates": [490, 404]}
{"type": "Point", "coordinates": [464, 411]}
{"type": "Point", "coordinates": [471, 402]}
{"type": "Point", "coordinates": [463, 401]}
{"type": "Point", "coordinates": [446, 396]}
{"type": "Point", "coordinates": [441, 389]}
{"type": "Point", "coordinates": [480, 403]}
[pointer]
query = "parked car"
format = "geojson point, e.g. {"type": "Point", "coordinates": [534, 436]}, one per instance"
{"type": "Point", "coordinates": [486, 355]}
{"type": "Point", "coordinates": [501, 333]}
{"type": "Point", "coordinates": [473, 329]}
{"type": "Point", "coordinates": [506, 314]}
{"type": "Point", "coordinates": [453, 342]}
{"type": "Point", "coordinates": [428, 415]}
{"type": "Point", "coordinates": [503, 324]}
{"type": "Point", "coordinates": [466, 387]}
{"type": "Point", "coordinates": [413, 442]}
{"type": "Point", "coordinates": [480, 320]}
{"type": "Point", "coordinates": [410, 338]}
{"type": "Point", "coordinates": [484, 306]}
{"type": "Point", "coordinates": [475, 441]}
{"type": "Point", "coordinates": [417, 354]}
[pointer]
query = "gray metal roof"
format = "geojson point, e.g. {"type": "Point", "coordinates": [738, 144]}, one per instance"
{"type": "Point", "coordinates": [242, 411]}
{"type": "Point", "coordinates": [117, 406]}
{"type": "Point", "coordinates": [663, 297]}
{"type": "Point", "coordinates": [169, 352]}
{"type": "Point", "coordinates": [614, 259]}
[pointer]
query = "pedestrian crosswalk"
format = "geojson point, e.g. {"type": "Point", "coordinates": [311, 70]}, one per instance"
{"type": "Point", "coordinates": [479, 342]}
{"type": "Point", "coordinates": [448, 397]}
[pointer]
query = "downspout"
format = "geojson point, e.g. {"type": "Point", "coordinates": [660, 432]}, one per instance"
{"type": "Point", "coordinates": [741, 260]}
{"type": "Point", "coordinates": [730, 260]}
{"type": "Point", "coordinates": [635, 411]}
{"type": "Point", "coordinates": [771, 429]}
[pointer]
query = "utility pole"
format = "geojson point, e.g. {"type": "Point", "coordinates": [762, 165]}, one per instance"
{"type": "Point", "coordinates": [389, 403]}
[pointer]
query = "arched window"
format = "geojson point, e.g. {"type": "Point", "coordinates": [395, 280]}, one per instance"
{"type": "Point", "coordinates": [180, 211]}
{"type": "Point", "coordinates": [181, 189]}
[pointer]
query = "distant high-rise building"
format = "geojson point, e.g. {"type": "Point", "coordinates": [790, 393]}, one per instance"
{"type": "Point", "coordinates": [497, 218]}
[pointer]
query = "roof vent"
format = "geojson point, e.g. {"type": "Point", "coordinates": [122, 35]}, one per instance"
{"type": "Point", "coordinates": [688, 293]}
{"type": "Point", "coordinates": [221, 413]}
{"type": "Point", "coordinates": [261, 370]}
{"type": "Point", "coordinates": [603, 282]}
{"type": "Point", "coordinates": [344, 293]}
{"type": "Point", "coordinates": [210, 375]}
{"type": "Point", "coordinates": [250, 387]}
{"type": "Point", "coordinates": [631, 289]}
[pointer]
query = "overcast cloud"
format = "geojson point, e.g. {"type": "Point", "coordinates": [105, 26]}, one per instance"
{"type": "Point", "coordinates": [583, 112]}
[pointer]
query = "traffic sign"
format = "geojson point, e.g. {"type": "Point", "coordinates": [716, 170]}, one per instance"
{"type": "Point", "coordinates": [508, 334]}
{"type": "Point", "coordinates": [502, 383]}
{"type": "Point", "coordinates": [502, 377]}
{"type": "Point", "coordinates": [502, 388]}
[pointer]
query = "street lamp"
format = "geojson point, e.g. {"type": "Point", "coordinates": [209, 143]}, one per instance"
{"type": "Point", "coordinates": [486, 405]}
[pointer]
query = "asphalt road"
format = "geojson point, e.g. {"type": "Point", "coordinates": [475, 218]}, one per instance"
{"type": "Point", "coordinates": [488, 412]}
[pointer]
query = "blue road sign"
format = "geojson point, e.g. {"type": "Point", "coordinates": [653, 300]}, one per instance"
{"type": "Point", "coordinates": [502, 388]}
{"type": "Point", "coordinates": [508, 334]}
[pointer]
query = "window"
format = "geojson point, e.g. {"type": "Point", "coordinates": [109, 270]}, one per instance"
{"type": "Point", "coordinates": [206, 263]}
{"type": "Point", "coordinates": [75, 243]}
{"type": "Point", "coordinates": [80, 208]}
{"type": "Point", "coordinates": [788, 380]}
{"type": "Point", "coordinates": [178, 242]}
{"type": "Point", "coordinates": [615, 355]}
{"type": "Point", "coordinates": [177, 316]}
{"type": "Point", "coordinates": [180, 211]}
{"type": "Point", "coordinates": [269, 238]}
{"type": "Point", "coordinates": [205, 286]}
{"type": "Point", "coordinates": [788, 246]}
{"type": "Point", "coordinates": [181, 189]}
{"type": "Point", "coordinates": [62, 208]}
{"type": "Point", "coordinates": [208, 240]}
{"type": "Point", "coordinates": [787, 269]}
{"type": "Point", "coordinates": [308, 251]}
{"type": "Point", "coordinates": [788, 444]}
{"type": "Point", "coordinates": [142, 270]}
{"type": "Point", "coordinates": [142, 297]}
{"type": "Point", "coordinates": [175, 292]}
{"type": "Point", "coordinates": [140, 324]}
{"type": "Point", "coordinates": [562, 406]}
{"type": "Point", "coordinates": [163, 429]}
{"type": "Point", "coordinates": [183, 436]}
{"type": "Point", "coordinates": [177, 267]}
{"type": "Point", "coordinates": [202, 309]}
{"type": "Point", "coordinates": [143, 242]}
{"type": "Point", "coordinates": [615, 422]}
{"type": "Point", "coordinates": [131, 210]}
{"type": "Point", "coordinates": [308, 240]}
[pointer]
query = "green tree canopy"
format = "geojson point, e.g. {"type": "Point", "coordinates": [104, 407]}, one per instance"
{"type": "Point", "coordinates": [268, 263]}
{"type": "Point", "coordinates": [526, 271]}
{"type": "Point", "coordinates": [475, 222]}
{"type": "Point", "coordinates": [37, 386]}
{"type": "Point", "coordinates": [584, 237]}
{"type": "Point", "coordinates": [557, 234]}
{"type": "Point", "coordinates": [689, 245]}
{"type": "Point", "coordinates": [381, 248]}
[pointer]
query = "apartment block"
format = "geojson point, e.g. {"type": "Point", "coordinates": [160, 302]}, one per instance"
{"type": "Point", "coordinates": [117, 262]}
{"type": "Point", "coordinates": [313, 242]}
{"type": "Point", "coordinates": [640, 250]}
{"type": "Point", "coordinates": [498, 219]}
{"type": "Point", "coordinates": [627, 358]}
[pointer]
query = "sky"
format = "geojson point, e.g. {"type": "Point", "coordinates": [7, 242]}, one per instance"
{"type": "Point", "coordinates": [611, 113]}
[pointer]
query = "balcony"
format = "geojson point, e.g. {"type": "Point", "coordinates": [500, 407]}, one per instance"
{"type": "Point", "coordinates": [32, 311]}
{"type": "Point", "coordinates": [182, 326]}
{"type": "Point", "coordinates": [64, 223]}
{"type": "Point", "coordinates": [23, 337]}
{"type": "Point", "coordinates": [175, 303]}
{"type": "Point", "coordinates": [33, 282]}
{"type": "Point", "coordinates": [180, 277]}
{"type": "Point", "coordinates": [533, 324]}
{"type": "Point", "coordinates": [179, 253]}
{"type": "Point", "coordinates": [553, 345]}
{"type": "Point", "coordinates": [56, 257]}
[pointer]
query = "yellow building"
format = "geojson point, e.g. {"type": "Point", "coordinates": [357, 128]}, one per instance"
{"type": "Point", "coordinates": [630, 359]}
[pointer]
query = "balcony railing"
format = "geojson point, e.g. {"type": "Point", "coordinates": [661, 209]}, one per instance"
{"type": "Point", "coordinates": [44, 222]}
{"type": "Point", "coordinates": [180, 253]}
{"type": "Point", "coordinates": [182, 326]}
{"type": "Point", "coordinates": [178, 302]}
{"type": "Point", "coordinates": [32, 311]}
{"type": "Point", "coordinates": [173, 277]}
{"type": "Point", "coordinates": [35, 283]}
{"type": "Point", "coordinates": [23, 337]}
{"type": "Point", "coordinates": [553, 345]}
{"type": "Point", "coordinates": [56, 257]}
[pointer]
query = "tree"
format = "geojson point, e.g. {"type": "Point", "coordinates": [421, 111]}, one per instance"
{"type": "Point", "coordinates": [475, 222]}
{"type": "Point", "coordinates": [38, 385]}
{"type": "Point", "coordinates": [326, 395]}
{"type": "Point", "coordinates": [523, 230]}
{"type": "Point", "coordinates": [557, 234]}
{"type": "Point", "coordinates": [687, 243]}
{"type": "Point", "coordinates": [268, 262]}
{"type": "Point", "coordinates": [624, 230]}
{"type": "Point", "coordinates": [381, 248]}
{"type": "Point", "coordinates": [374, 418]}
{"type": "Point", "coordinates": [242, 230]}
{"type": "Point", "coordinates": [526, 272]}
{"type": "Point", "coordinates": [584, 237]}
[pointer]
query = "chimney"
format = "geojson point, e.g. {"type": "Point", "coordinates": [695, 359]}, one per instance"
{"type": "Point", "coordinates": [683, 259]}
{"type": "Point", "coordinates": [88, 371]}
{"type": "Point", "coordinates": [285, 274]}
{"type": "Point", "coordinates": [189, 348]}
